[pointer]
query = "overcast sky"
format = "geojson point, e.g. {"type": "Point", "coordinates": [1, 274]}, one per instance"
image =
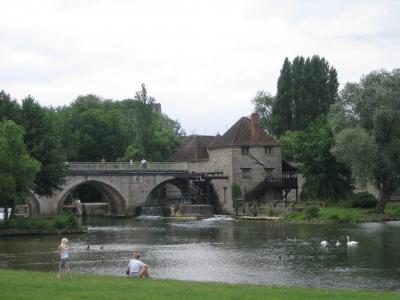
{"type": "Point", "coordinates": [202, 60]}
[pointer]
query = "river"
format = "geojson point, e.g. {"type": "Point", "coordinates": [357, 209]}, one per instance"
{"type": "Point", "coordinates": [222, 249]}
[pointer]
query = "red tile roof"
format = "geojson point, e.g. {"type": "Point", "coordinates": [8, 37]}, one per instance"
{"type": "Point", "coordinates": [240, 135]}
{"type": "Point", "coordinates": [196, 147]}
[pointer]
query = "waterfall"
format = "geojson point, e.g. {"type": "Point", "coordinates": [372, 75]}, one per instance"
{"type": "Point", "coordinates": [151, 211]}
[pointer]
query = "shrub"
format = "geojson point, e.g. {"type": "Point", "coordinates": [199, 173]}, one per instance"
{"type": "Point", "coordinates": [271, 211]}
{"type": "Point", "coordinates": [334, 216]}
{"type": "Point", "coordinates": [363, 200]}
{"type": "Point", "coordinates": [312, 212]}
{"type": "Point", "coordinates": [67, 221]}
{"type": "Point", "coordinates": [252, 211]}
{"type": "Point", "coordinates": [236, 191]}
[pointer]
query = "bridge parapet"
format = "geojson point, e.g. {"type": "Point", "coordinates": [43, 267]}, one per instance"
{"type": "Point", "coordinates": [125, 166]}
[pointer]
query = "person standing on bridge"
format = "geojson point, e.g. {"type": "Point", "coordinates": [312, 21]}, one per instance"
{"type": "Point", "coordinates": [143, 163]}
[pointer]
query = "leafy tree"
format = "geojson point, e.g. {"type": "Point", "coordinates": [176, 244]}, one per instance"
{"type": "Point", "coordinates": [43, 144]}
{"type": "Point", "coordinates": [326, 178]}
{"type": "Point", "coordinates": [366, 123]}
{"type": "Point", "coordinates": [263, 102]}
{"type": "Point", "coordinates": [306, 88]}
{"type": "Point", "coordinates": [17, 168]}
{"type": "Point", "coordinates": [155, 136]}
{"type": "Point", "coordinates": [92, 130]}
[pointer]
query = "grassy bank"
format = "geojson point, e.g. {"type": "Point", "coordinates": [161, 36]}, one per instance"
{"type": "Point", "coordinates": [35, 285]}
{"type": "Point", "coordinates": [342, 214]}
{"type": "Point", "coordinates": [66, 221]}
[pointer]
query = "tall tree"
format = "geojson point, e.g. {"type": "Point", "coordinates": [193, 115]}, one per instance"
{"type": "Point", "coordinates": [326, 178]}
{"type": "Point", "coordinates": [17, 168]}
{"type": "Point", "coordinates": [366, 123]}
{"type": "Point", "coordinates": [282, 109]}
{"type": "Point", "coordinates": [145, 121]}
{"type": "Point", "coordinates": [306, 88]}
{"type": "Point", "coordinates": [43, 144]}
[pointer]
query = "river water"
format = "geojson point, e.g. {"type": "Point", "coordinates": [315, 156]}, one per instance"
{"type": "Point", "coordinates": [222, 249]}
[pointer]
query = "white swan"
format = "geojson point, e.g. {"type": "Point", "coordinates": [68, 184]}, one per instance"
{"type": "Point", "coordinates": [337, 243]}
{"type": "Point", "coordinates": [324, 243]}
{"type": "Point", "coordinates": [351, 243]}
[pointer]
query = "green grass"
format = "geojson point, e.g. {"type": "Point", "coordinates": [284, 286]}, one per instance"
{"type": "Point", "coordinates": [65, 221]}
{"type": "Point", "coordinates": [36, 285]}
{"type": "Point", "coordinates": [342, 214]}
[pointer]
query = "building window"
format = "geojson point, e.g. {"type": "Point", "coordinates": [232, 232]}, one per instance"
{"type": "Point", "coordinates": [245, 150]}
{"type": "Point", "coordinates": [245, 172]}
{"type": "Point", "coordinates": [268, 150]}
{"type": "Point", "coordinates": [268, 172]}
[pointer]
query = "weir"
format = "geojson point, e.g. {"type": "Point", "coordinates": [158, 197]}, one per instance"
{"type": "Point", "coordinates": [151, 211]}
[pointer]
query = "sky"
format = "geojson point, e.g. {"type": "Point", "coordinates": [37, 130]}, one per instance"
{"type": "Point", "coordinates": [204, 61]}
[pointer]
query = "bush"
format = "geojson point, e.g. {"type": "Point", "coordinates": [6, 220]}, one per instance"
{"type": "Point", "coordinates": [312, 212]}
{"type": "Point", "coordinates": [66, 221]}
{"type": "Point", "coordinates": [252, 211]}
{"type": "Point", "coordinates": [363, 200]}
{"type": "Point", "coordinates": [271, 211]}
{"type": "Point", "coordinates": [236, 191]}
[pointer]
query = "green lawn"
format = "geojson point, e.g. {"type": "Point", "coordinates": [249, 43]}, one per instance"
{"type": "Point", "coordinates": [37, 285]}
{"type": "Point", "coordinates": [340, 213]}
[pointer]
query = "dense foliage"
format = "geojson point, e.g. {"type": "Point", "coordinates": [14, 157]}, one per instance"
{"type": "Point", "coordinates": [40, 138]}
{"type": "Point", "coordinates": [366, 123]}
{"type": "Point", "coordinates": [306, 88]}
{"type": "Point", "coordinates": [363, 200]}
{"type": "Point", "coordinates": [17, 168]}
{"type": "Point", "coordinates": [326, 178]}
{"type": "Point", "coordinates": [66, 221]}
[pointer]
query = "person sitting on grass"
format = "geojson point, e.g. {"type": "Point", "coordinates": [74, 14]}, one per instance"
{"type": "Point", "coordinates": [137, 268]}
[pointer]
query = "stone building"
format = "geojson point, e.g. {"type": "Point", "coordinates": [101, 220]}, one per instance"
{"type": "Point", "coordinates": [248, 157]}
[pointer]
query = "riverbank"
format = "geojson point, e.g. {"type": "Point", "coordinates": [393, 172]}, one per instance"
{"type": "Point", "coordinates": [341, 214]}
{"type": "Point", "coordinates": [38, 285]}
{"type": "Point", "coordinates": [62, 224]}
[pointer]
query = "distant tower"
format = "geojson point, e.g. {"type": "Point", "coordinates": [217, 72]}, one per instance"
{"type": "Point", "coordinates": [157, 107]}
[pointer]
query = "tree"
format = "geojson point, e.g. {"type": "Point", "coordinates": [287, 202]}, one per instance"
{"type": "Point", "coordinates": [306, 88]}
{"type": "Point", "coordinates": [326, 178]}
{"type": "Point", "coordinates": [144, 121]}
{"type": "Point", "coordinates": [17, 168]}
{"type": "Point", "coordinates": [366, 123]}
{"type": "Point", "coordinates": [153, 131]}
{"type": "Point", "coordinates": [92, 130]}
{"type": "Point", "coordinates": [9, 109]}
{"type": "Point", "coordinates": [263, 102]}
{"type": "Point", "coordinates": [43, 144]}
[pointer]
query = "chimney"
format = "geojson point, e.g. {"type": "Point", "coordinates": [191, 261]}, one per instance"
{"type": "Point", "coordinates": [255, 127]}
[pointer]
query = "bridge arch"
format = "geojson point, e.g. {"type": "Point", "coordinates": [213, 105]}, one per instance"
{"type": "Point", "coordinates": [191, 191]}
{"type": "Point", "coordinates": [159, 192]}
{"type": "Point", "coordinates": [116, 201]}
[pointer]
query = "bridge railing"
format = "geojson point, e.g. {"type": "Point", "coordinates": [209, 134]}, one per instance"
{"type": "Point", "coordinates": [101, 166]}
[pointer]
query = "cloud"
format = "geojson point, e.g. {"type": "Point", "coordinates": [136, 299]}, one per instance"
{"type": "Point", "coordinates": [203, 60]}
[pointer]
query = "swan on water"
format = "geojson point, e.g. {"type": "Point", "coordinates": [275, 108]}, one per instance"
{"type": "Point", "coordinates": [337, 244]}
{"type": "Point", "coordinates": [351, 243]}
{"type": "Point", "coordinates": [324, 243]}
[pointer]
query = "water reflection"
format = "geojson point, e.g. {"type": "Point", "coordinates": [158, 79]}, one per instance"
{"type": "Point", "coordinates": [227, 250]}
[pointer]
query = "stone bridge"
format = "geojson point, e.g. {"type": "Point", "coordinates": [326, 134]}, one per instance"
{"type": "Point", "coordinates": [125, 186]}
